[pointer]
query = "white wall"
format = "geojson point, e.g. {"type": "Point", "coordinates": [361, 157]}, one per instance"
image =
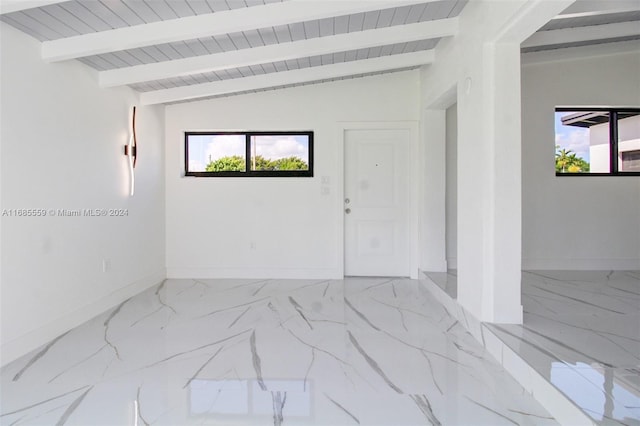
{"type": "Point", "coordinates": [296, 230]}
{"type": "Point", "coordinates": [62, 144]}
{"type": "Point", "coordinates": [584, 222]}
{"type": "Point", "coordinates": [452, 186]}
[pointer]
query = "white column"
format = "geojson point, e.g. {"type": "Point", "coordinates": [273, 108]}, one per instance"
{"type": "Point", "coordinates": [484, 61]}
{"type": "Point", "coordinates": [433, 191]}
{"type": "Point", "coordinates": [489, 187]}
{"type": "Point", "coordinates": [502, 298]}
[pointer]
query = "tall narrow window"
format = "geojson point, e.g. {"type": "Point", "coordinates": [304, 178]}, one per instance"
{"type": "Point", "coordinates": [597, 141]}
{"type": "Point", "coordinates": [249, 154]}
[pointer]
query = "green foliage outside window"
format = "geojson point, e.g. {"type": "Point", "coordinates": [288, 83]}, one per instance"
{"type": "Point", "coordinates": [237, 164]}
{"type": "Point", "coordinates": [227, 164]}
{"type": "Point", "coordinates": [568, 162]}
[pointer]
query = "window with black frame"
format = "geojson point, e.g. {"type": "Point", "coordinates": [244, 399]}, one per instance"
{"type": "Point", "coordinates": [598, 141]}
{"type": "Point", "coordinates": [249, 154]}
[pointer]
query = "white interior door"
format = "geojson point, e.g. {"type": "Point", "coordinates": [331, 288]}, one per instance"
{"type": "Point", "coordinates": [376, 204]}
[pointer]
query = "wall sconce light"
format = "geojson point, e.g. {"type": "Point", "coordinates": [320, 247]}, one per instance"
{"type": "Point", "coordinates": [131, 151]}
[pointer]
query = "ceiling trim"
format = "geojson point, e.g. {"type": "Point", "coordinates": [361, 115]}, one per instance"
{"type": "Point", "coordinates": [279, 52]}
{"type": "Point", "coordinates": [578, 34]}
{"type": "Point", "coordinates": [528, 19]}
{"type": "Point", "coordinates": [212, 24]}
{"type": "Point", "coordinates": [10, 6]}
{"type": "Point", "coordinates": [581, 9]}
{"type": "Point", "coordinates": [572, 53]}
{"type": "Point", "coordinates": [277, 79]}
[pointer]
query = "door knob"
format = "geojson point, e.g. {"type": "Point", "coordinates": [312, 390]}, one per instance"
{"type": "Point", "coordinates": [347, 211]}
{"type": "Point", "coordinates": [347, 201]}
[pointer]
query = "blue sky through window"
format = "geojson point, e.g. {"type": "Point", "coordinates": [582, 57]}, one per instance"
{"type": "Point", "coordinates": [572, 138]}
{"type": "Point", "coordinates": [206, 148]}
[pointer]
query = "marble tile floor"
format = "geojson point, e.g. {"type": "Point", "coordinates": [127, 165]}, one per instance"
{"type": "Point", "coordinates": [368, 351]}
{"type": "Point", "coordinates": [581, 333]}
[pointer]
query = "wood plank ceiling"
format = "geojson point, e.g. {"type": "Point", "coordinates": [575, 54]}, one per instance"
{"type": "Point", "coordinates": [180, 50]}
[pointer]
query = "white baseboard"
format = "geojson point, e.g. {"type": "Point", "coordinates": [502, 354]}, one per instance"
{"type": "Point", "coordinates": [630, 264]}
{"type": "Point", "coordinates": [255, 273]}
{"type": "Point", "coordinates": [440, 266]}
{"type": "Point", "coordinates": [22, 345]}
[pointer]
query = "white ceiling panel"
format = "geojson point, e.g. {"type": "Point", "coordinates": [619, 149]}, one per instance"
{"type": "Point", "coordinates": [257, 69]}
{"type": "Point", "coordinates": [182, 48]}
{"type": "Point", "coordinates": [337, 57]}
{"type": "Point", "coordinates": [168, 50]}
{"type": "Point", "coordinates": [434, 11]}
{"type": "Point", "coordinates": [122, 10]}
{"type": "Point", "coordinates": [283, 35]}
{"type": "Point", "coordinates": [268, 68]}
{"type": "Point", "coordinates": [385, 17]}
{"type": "Point", "coordinates": [356, 22]}
{"type": "Point", "coordinates": [254, 38]}
{"type": "Point", "coordinates": [181, 8]}
{"type": "Point", "coordinates": [239, 41]}
{"type": "Point", "coordinates": [280, 66]}
{"type": "Point", "coordinates": [371, 20]}
{"type": "Point", "coordinates": [295, 64]}
{"type": "Point", "coordinates": [297, 31]}
{"type": "Point", "coordinates": [200, 7]}
{"type": "Point", "coordinates": [85, 15]}
{"type": "Point", "coordinates": [35, 28]}
{"type": "Point", "coordinates": [400, 15]}
{"type": "Point", "coordinates": [196, 47]}
{"type": "Point", "coordinates": [341, 25]}
{"type": "Point", "coordinates": [179, 60]}
{"type": "Point", "coordinates": [105, 14]}
{"type": "Point", "coordinates": [211, 45]}
{"type": "Point", "coordinates": [309, 83]}
{"type": "Point", "coordinates": [268, 36]}
{"type": "Point", "coordinates": [304, 63]}
{"type": "Point", "coordinates": [142, 10]}
{"type": "Point", "coordinates": [224, 42]}
{"type": "Point", "coordinates": [161, 9]}
{"type": "Point", "coordinates": [22, 26]}
{"type": "Point", "coordinates": [311, 29]}
{"type": "Point", "coordinates": [58, 12]}
{"type": "Point", "coordinates": [152, 52]}
{"type": "Point", "coordinates": [445, 10]}
{"type": "Point", "coordinates": [95, 63]}
{"type": "Point", "coordinates": [374, 52]}
{"type": "Point", "coordinates": [415, 13]}
{"type": "Point", "coordinates": [218, 5]}
{"type": "Point", "coordinates": [457, 8]}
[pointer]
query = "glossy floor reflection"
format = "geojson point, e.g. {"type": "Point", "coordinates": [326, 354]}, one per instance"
{"type": "Point", "coordinates": [353, 351]}
{"type": "Point", "coordinates": [581, 333]}
{"type": "Point", "coordinates": [583, 330]}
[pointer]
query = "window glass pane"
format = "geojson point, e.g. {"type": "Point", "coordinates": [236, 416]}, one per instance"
{"type": "Point", "coordinates": [217, 153]}
{"type": "Point", "coordinates": [280, 152]}
{"type": "Point", "coordinates": [630, 161]}
{"type": "Point", "coordinates": [582, 141]}
{"type": "Point", "coordinates": [628, 141]}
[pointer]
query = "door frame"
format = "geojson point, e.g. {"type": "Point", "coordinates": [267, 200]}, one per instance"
{"type": "Point", "coordinates": [413, 181]}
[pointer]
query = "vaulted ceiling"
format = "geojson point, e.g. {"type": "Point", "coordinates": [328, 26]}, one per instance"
{"type": "Point", "coordinates": [178, 50]}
